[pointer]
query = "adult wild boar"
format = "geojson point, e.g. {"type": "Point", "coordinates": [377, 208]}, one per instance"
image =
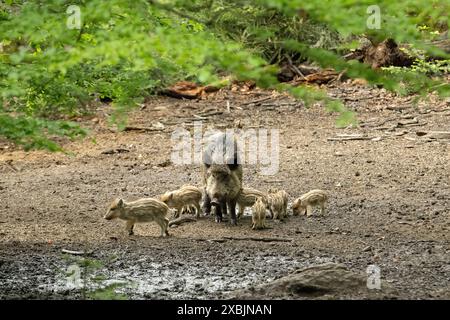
{"type": "Point", "coordinates": [222, 175]}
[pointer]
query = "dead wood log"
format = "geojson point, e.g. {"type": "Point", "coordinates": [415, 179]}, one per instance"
{"type": "Point", "coordinates": [321, 77]}
{"type": "Point", "coordinates": [184, 90]}
{"type": "Point", "coordinates": [385, 54]}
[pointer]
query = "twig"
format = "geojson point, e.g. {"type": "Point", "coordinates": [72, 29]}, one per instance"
{"type": "Point", "coordinates": [406, 222]}
{"type": "Point", "coordinates": [211, 113]}
{"type": "Point", "coordinates": [131, 128]}
{"type": "Point", "coordinates": [11, 166]}
{"type": "Point", "coordinates": [197, 117]}
{"type": "Point", "coordinates": [170, 8]}
{"type": "Point", "coordinates": [258, 239]}
{"type": "Point", "coordinates": [411, 125]}
{"type": "Point", "coordinates": [273, 181]}
{"type": "Point", "coordinates": [349, 137]}
{"type": "Point", "coordinates": [113, 151]}
{"type": "Point", "coordinates": [398, 108]}
{"type": "Point", "coordinates": [296, 70]}
{"type": "Point", "coordinates": [257, 101]}
{"type": "Point", "coordinates": [77, 253]}
{"type": "Point", "coordinates": [434, 134]}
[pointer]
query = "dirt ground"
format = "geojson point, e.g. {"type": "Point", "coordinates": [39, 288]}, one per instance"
{"type": "Point", "coordinates": [389, 201]}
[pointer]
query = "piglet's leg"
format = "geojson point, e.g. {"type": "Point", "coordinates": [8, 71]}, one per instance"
{"type": "Point", "coordinates": [197, 209]}
{"type": "Point", "coordinates": [130, 227]}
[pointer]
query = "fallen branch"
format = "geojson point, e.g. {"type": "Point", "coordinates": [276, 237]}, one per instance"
{"type": "Point", "coordinates": [274, 181]}
{"type": "Point", "coordinates": [196, 117]}
{"type": "Point", "coordinates": [217, 240]}
{"type": "Point", "coordinates": [406, 222]}
{"type": "Point", "coordinates": [131, 128]}
{"type": "Point", "coordinates": [209, 114]}
{"type": "Point", "coordinates": [294, 67]}
{"type": "Point", "coordinates": [77, 253]}
{"type": "Point", "coordinates": [398, 108]}
{"type": "Point", "coordinates": [408, 122]}
{"type": "Point", "coordinates": [258, 239]}
{"type": "Point", "coordinates": [349, 137]}
{"type": "Point", "coordinates": [257, 101]}
{"type": "Point", "coordinates": [401, 133]}
{"type": "Point", "coordinates": [11, 166]}
{"type": "Point", "coordinates": [181, 220]}
{"type": "Point", "coordinates": [113, 151]}
{"type": "Point", "coordinates": [411, 125]}
{"type": "Point", "coordinates": [434, 134]}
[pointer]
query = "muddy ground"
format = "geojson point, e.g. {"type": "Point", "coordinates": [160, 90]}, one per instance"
{"type": "Point", "coordinates": [389, 201]}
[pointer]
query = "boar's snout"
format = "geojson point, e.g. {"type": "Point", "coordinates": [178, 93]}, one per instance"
{"type": "Point", "coordinates": [108, 216]}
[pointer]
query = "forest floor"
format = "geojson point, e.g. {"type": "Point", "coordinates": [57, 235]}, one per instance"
{"type": "Point", "coordinates": [389, 201]}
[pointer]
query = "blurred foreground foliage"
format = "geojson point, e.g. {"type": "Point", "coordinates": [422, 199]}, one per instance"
{"type": "Point", "coordinates": [126, 50]}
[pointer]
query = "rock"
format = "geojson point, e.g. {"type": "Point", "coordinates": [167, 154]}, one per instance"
{"type": "Point", "coordinates": [158, 126]}
{"type": "Point", "coordinates": [315, 281]}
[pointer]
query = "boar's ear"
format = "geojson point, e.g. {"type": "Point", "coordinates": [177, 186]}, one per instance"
{"type": "Point", "coordinates": [120, 203]}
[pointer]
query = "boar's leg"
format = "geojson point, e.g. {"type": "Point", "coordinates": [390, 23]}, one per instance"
{"type": "Point", "coordinates": [224, 207]}
{"type": "Point", "coordinates": [207, 205]}
{"type": "Point", "coordinates": [217, 210]}
{"type": "Point", "coordinates": [232, 208]}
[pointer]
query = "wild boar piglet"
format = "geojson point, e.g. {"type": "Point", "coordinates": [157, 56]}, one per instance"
{"type": "Point", "coordinates": [140, 211]}
{"type": "Point", "coordinates": [306, 203]}
{"type": "Point", "coordinates": [259, 214]}
{"type": "Point", "coordinates": [247, 198]}
{"type": "Point", "coordinates": [183, 198]}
